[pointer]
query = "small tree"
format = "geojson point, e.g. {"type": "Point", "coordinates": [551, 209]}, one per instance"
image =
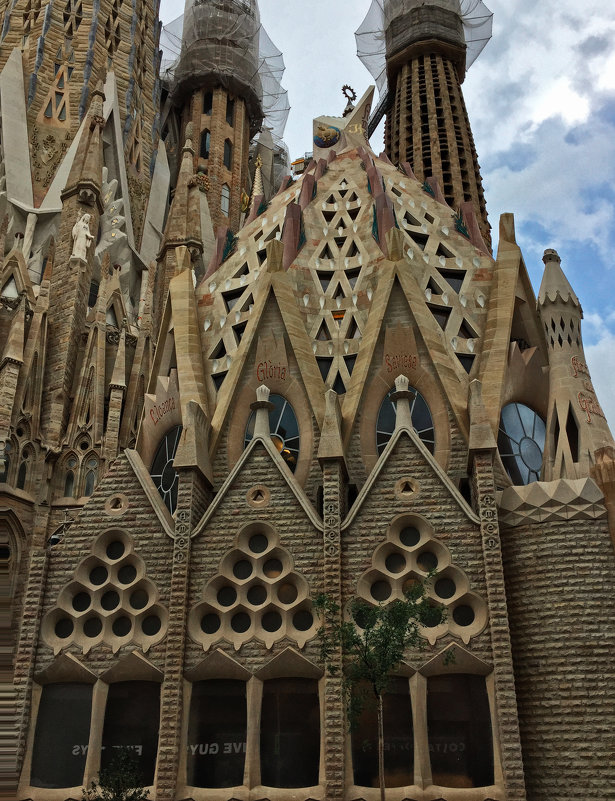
{"type": "Point", "coordinates": [372, 646]}
{"type": "Point", "coordinates": [121, 780]}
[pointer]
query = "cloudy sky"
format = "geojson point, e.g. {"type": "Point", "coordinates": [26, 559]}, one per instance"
{"type": "Point", "coordinates": [541, 100]}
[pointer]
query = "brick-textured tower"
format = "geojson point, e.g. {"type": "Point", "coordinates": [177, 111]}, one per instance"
{"type": "Point", "coordinates": [427, 123]}
{"type": "Point", "coordinates": [217, 83]}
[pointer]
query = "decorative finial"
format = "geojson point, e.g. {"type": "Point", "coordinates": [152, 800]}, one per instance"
{"type": "Point", "coordinates": [259, 161]}
{"type": "Point", "coordinates": [350, 95]}
{"type": "Point", "coordinates": [551, 255]}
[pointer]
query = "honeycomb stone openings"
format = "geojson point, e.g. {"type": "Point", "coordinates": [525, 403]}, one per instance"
{"type": "Point", "coordinates": [409, 554]}
{"type": "Point", "coordinates": [256, 594]}
{"type": "Point", "coordinates": [109, 600]}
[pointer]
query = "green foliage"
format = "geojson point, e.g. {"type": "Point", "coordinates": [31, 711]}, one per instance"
{"type": "Point", "coordinates": [374, 642]}
{"type": "Point", "coordinates": [121, 780]}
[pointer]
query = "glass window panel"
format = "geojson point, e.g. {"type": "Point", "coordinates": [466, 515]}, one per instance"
{"type": "Point", "coordinates": [284, 429]}
{"type": "Point", "coordinates": [521, 440]}
{"type": "Point", "coordinates": [398, 739]}
{"type": "Point", "coordinates": [132, 718]}
{"type": "Point", "coordinates": [290, 733]}
{"type": "Point", "coordinates": [163, 474]}
{"type": "Point", "coordinates": [62, 735]}
{"type": "Point", "coordinates": [217, 734]}
{"type": "Point", "coordinates": [421, 420]}
{"type": "Point", "coordinates": [459, 730]}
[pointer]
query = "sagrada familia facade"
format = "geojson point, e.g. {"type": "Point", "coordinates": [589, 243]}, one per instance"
{"type": "Point", "coordinates": [225, 390]}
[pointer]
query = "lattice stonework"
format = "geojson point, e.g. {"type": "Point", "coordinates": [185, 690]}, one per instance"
{"type": "Point", "coordinates": [109, 600]}
{"type": "Point", "coordinates": [256, 594]}
{"type": "Point", "coordinates": [410, 553]}
{"type": "Point", "coordinates": [56, 105]}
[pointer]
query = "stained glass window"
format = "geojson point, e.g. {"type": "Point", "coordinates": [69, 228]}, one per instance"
{"type": "Point", "coordinates": [521, 442]}
{"type": "Point", "coordinates": [284, 430]}
{"type": "Point", "coordinates": [421, 420]}
{"type": "Point", "coordinates": [163, 474]}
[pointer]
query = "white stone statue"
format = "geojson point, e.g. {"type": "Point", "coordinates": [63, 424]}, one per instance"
{"type": "Point", "coordinates": [82, 238]}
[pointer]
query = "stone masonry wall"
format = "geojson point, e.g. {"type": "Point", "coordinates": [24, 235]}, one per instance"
{"type": "Point", "coordinates": [560, 581]}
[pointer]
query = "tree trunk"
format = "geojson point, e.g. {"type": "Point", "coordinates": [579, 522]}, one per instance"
{"type": "Point", "coordinates": [381, 747]}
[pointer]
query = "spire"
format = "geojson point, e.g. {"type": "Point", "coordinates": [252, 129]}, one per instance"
{"type": "Point", "coordinates": [184, 223]}
{"type": "Point", "coordinates": [554, 282]}
{"type": "Point", "coordinates": [257, 187]}
{"type": "Point", "coordinates": [118, 378]}
{"type": "Point", "coordinates": [13, 350]}
{"type": "Point", "coordinates": [85, 177]}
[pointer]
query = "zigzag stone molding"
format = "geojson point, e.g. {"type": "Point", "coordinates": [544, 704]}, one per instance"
{"type": "Point", "coordinates": [548, 501]}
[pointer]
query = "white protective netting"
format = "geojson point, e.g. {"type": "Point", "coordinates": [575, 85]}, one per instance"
{"type": "Point", "coordinates": [222, 42]}
{"type": "Point", "coordinates": [371, 38]}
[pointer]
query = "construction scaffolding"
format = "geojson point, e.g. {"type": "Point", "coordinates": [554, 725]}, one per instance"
{"type": "Point", "coordinates": [223, 43]}
{"type": "Point", "coordinates": [372, 40]}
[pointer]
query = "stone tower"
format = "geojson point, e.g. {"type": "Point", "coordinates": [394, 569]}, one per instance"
{"type": "Point", "coordinates": [427, 54]}
{"type": "Point", "coordinates": [217, 85]}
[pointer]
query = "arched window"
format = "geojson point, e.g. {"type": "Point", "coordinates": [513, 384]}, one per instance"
{"type": "Point", "coordinates": [91, 471]}
{"type": "Point", "coordinates": [398, 738]}
{"type": "Point", "coordinates": [225, 199]}
{"type": "Point", "coordinates": [208, 100]}
{"type": "Point", "coordinates": [217, 733]}
{"type": "Point", "coordinates": [230, 111]}
{"type": "Point", "coordinates": [459, 731]}
{"type": "Point", "coordinates": [290, 733]}
{"type": "Point", "coordinates": [22, 473]}
{"type": "Point", "coordinates": [163, 473]}
{"type": "Point", "coordinates": [421, 420]}
{"type": "Point", "coordinates": [62, 735]}
{"type": "Point", "coordinates": [69, 478]}
{"type": "Point", "coordinates": [205, 144]}
{"type": "Point", "coordinates": [284, 430]}
{"type": "Point", "coordinates": [228, 154]}
{"type": "Point", "coordinates": [132, 719]}
{"type": "Point", "coordinates": [521, 442]}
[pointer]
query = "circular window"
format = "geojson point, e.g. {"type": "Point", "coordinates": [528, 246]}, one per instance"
{"type": "Point", "coordinates": [227, 596]}
{"type": "Point", "coordinates": [64, 628]}
{"type": "Point", "coordinates": [139, 599]}
{"type": "Point", "coordinates": [210, 623]}
{"type": "Point", "coordinates": [163, 474]}
{"type": "Point", "coordinates": [115, 550]}
{"type": "Point", "coordinates": [257, 595]}
{"type": "Point", "coordinates": [127, 574]}
{"type": "Point", "coordinates": [427, 561]}
{"type": "Point", "coordinates": [272, 621]}
{"type": "Point", "coordinates": [380, 590]}
{"type": "Point", "coordinates": [110, 600]}
{"type": "Point", "coordinates": [242, 569]}
{"type": "Point", "coordinates": [421, 420]}
{"type": "Point", "coordinates": [151, 625]}
{"type": "Point", "coordinates": [287, 593]}
{"type": "Point", "coordinates": [122, 626]}
{"type": "Point", "coordinates": [395, 562]}
{"type": "Point", "coordinates": [92, 627]}
{"type": "Point", "coordinates": [273, 568]}
{"type": "Point", "coordinates": [463, 615]}
{"type": "Point", "coordinates": [258, 543]}
{"type": "Point", "coordinates": [240, 622]}
{"type": "Point", "coordinates": [98, 575]}
{"type": "Point", "coordinates": [521, 442]}
{"type": "Point", "coordinates": [303, 620]}
{"type": "Point", "coordinates": [445, 588]}
{"type": "Point", "coordinates": [283, 427]}
{"type": "Point", "coordinates": [81, 601]}
{"type": "Point", "coordinates": [409, 536]}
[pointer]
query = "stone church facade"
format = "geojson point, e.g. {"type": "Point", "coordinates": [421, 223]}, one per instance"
{"type": "Point", "coordinates": [212, 411]}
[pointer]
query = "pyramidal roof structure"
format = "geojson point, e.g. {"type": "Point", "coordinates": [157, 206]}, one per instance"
{"type": "Point", "coordinates": [349, 217]}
